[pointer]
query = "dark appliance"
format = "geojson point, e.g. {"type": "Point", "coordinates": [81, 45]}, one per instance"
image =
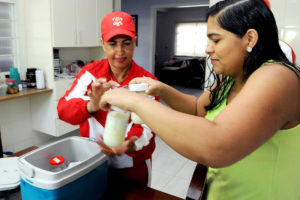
{"type": "Point", "coordinates": [30, 77]}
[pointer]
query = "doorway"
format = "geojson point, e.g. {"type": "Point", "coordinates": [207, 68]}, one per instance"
{"type": "Point", "coordinates": [164, 62]}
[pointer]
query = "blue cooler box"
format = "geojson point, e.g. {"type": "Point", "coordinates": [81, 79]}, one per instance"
{"type": "Point", "coordinates": [84, 175]}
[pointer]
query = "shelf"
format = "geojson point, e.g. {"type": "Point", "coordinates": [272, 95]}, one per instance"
{"type": "Point", "coordinates": [25, 93]}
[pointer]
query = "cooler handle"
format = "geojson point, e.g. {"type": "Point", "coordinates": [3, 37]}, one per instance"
{"type": "Point", "coordinates": [26, 170]}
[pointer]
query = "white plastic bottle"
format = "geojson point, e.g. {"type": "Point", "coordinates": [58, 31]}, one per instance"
{"type": "Point", "coordinates": [138, 88]}
{"type": "Point", "coordinates": [115, 127]}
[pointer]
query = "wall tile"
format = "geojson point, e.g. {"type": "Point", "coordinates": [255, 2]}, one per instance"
{"type": "Point", "coordinates": [159, 180]}
{"type": "Point", "coordinates": [166, 163]}
{"type": "Point", "coordinates": [279, 12]}
{"type": "Point", "coordinates": [298, 59]}
{"type": "Point", "coordinates": [177, 187]}
{"type": "Point", "coordinates": [292, 37]}
{"type": "Point", "coordinates": [292, 12]}
{"type": "Point", "coordinates": [40, 139]}
{"type": "Point", "coordinates": [10, 148]}
{"type": "Point", "coordinates": [14, 110]}
{"type": "Point", "coordinates": [23, 144]}
{"type": "Point", "coordinates": [187, 171]}
{"type": "Point", "coordinates": [15, 132]}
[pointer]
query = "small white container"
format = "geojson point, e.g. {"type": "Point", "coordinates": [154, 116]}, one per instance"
{"type": "Point", "coordinates": [3, 89]}
{"type": "Point", "coordinates": [115, 127]}
{"type": "Point", "coordinates": [40, 80]}
{"type": "Point", "coordinates": [138, 88]}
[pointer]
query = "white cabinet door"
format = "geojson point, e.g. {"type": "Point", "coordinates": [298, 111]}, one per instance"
{"type": "Point", "coordinates": [64, 127]}
{"type": "Point", "coordinates": [44, 111]}
{"type": "Point", "coordinates": [103, 7]}
{"type": "Point", "coordinates": [87, 23]}
{"type": "Point", "coordinates": [61, 86]}
{"type": "Point", "coordinates": [75, 22]}
{"type": "Point", "coordinates": [64, 23]}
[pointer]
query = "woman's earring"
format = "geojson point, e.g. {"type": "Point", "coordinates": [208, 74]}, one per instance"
{"type": "Point", "coordinates": [249, 49]}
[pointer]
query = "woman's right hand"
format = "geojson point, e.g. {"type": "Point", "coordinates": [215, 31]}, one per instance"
{"type": "Point", "coordinates": [96, 92]}
{"type": "Point", "coordinates": [154, 86]}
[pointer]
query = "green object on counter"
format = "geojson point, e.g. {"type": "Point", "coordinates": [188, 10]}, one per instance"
{"type": "Point", "coordinates": [14, 74]}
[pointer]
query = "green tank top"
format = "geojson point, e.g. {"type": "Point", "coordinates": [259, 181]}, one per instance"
{"type": "Point", "coordinates": [271, 172]}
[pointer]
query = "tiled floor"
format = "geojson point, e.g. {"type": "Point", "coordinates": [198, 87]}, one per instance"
{"type": "Point", "coordinates": [171, 172]}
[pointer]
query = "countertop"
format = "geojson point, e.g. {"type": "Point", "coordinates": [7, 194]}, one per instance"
{"type": "Point", "coordinates": [24, 93]}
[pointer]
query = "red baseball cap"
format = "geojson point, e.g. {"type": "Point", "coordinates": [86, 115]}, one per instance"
{"type": "Point", "coordinates": [117, 23]}
{"type": "Point", "coordinates": [268, 3]}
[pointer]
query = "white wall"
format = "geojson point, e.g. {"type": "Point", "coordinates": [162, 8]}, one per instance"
{"type": "Point", "coordinates": [287, 17]}
{"type": "Point", "coordinates": [117, 5]}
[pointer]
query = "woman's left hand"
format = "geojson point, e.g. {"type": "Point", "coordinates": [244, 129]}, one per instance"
{"type": "Point", "coordinates": [128, 146]}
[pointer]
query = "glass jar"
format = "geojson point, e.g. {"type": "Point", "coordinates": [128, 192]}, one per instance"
{"type": "Point", "coordinates": [24, 84]}
{"type": "Point", "coordinates": [57, 163]}
{"type": "Point", "coordinates": [12, 86]}
{"type": "Point", "coordinates": [138, 88]}
{"type": "Point", "coordinates": [115, 127]}
{"type": "Point", "coordinates": [3, 91]}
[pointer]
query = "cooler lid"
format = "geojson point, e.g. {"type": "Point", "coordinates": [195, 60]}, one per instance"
{"type": "Point", "coordinates": [9, 173]}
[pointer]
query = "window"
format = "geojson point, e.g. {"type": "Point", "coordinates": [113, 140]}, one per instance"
{"type": "Point", "coordinates": [7, 36]}
{"type": "Point", "coordinates": [190, 39]}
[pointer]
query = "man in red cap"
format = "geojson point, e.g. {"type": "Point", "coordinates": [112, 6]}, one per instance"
{"type": "Point", "coordinates": [285, 47]}
{"type": "Point", "coordinates": [79, 105]}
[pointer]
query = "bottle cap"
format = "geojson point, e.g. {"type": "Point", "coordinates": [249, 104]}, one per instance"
{"type": "Point", "coordinates": [57, 160]}
{"type": "Point", "coordinates": [118, 109]}
{"type": "Point", "coordinates": [138, 87]}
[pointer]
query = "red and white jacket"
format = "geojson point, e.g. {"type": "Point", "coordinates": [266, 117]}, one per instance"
{"type": "Point", "coordinates": [72, 109]}
{"type": "Point", "coordinates": [288, 51]}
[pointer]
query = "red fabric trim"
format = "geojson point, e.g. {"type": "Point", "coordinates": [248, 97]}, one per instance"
{"type": "Point", "coordinates": [292, 51]}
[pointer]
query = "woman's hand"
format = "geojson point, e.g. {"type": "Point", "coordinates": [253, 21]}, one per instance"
{"type": "Point", "coordinates": [154, 86]}
{"type": "Point", "coordinates": [128, 146]}
{"type": "Point", "coordinates": [96, 91]}
{"type": "Point", "coordinates": [121, 98]}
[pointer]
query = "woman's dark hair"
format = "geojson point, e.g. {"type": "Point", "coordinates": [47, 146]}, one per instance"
{"type": "Point", "coordinates": [238, 16]}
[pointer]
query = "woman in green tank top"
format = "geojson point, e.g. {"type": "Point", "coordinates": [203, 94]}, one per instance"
{"type": "Point", "coordinates": [245, 128]}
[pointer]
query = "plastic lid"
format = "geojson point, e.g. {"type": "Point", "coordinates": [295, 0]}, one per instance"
{"type": "Point", "coordinates": [118, 109]}
{"type": "Point", "coordinates": [138, 87]}
{"type": "Point", "coordinates": [57, 160]}
{"type": "Point", "coordinates": [9, 173]}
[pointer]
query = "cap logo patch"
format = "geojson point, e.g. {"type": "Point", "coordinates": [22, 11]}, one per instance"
{"type": "Point", "coordinates": [117, 21]}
